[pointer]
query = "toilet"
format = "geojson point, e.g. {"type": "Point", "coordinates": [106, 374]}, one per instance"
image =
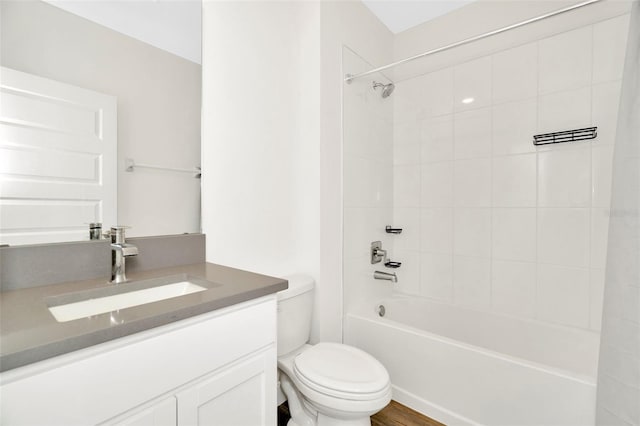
{"type": "Point", "coordinates": [327, 384]}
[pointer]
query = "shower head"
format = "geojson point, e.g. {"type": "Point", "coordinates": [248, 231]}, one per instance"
{"type": "Point", "coordinates": [387, 89]}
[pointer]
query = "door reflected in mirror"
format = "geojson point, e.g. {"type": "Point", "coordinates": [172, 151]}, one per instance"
{"type": "Point", "coordinates": [62, 155]}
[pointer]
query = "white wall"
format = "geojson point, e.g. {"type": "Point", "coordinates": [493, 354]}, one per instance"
{"type": "Point", "coordinates": [158, 106]}
{"type": "Point", "coordinates": [261, 135]}
{"type": "Point", "coordinates": [272, 132]}
{"type": "Point", "coordinates": [500, 224]}
{"type": "Point", "coordinates": [174, 26]}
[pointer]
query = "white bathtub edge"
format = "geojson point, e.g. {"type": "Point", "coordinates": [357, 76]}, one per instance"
{"type": "Point", "coordinates": [431, 410]}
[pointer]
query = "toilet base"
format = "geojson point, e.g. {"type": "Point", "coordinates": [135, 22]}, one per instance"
{"type": "Point", "coordinates": [331, 421]}
{"type": "Point", "coordinates": [323, 420]}
{"type": "Point", "coordinates": [326, 421]}
{"type": "Point", "coordinates": [305, 414]}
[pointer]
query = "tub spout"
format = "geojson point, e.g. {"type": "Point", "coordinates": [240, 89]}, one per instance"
{"type": "Point", "coordinates": [379, 275]}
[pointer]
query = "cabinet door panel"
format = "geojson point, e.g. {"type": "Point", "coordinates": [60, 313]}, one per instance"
{"type": "Point", "coordinates": [164, 413]}
{"type": "Point", "coordinates": [241, 395]}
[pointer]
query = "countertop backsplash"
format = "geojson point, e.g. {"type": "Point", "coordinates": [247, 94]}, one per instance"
{"type": "Point", "coordinates": [44, 264]}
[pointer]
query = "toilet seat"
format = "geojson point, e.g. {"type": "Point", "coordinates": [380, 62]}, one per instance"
{"type": "Point", "coordinates": [341, 371]}
{"type": "Point", "coordinates": [340, 402]}
{"type": "Point", "coordinates": [337, 403]}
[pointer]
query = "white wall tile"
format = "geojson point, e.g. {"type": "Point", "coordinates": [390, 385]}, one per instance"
{"type": "Point", "coordinates": [362, 225]}
{"type": "Point", "coordinates": [437, 139]}
{"type": "Point", "coordinates": [408, 274]}
{"type": "Point", "coordinates": [514, 125]}
{"type": "Point", "coordinates": [380, 143]}
{"type": "Point", "coordinates": [599, 237]}
{"type": "Point", "coordinates": [515, 73]}
{"type": "Point", "coordinates": [563, 236]}
{"type": "Point", "coordinates": [406, 186]}
{"type": "Point", "coordinates": [383, 183]}
{"type": "Point", "coordinates": [472, 232]}
{"type": "Point", "coordinates": [407, 132]}
{"type": "Point", "coordinates": [367, 183]}
{"type": "Point", "coordinates": [472, 80]}
{"type": "Point", "coordinates": [472, 183]}
{"type": "Point", "coordinates": [502, 224]}
{"type": "Point", "coordinates": [354, 282]}
{"type": "Point", "coordinates": [356, 135]}
{"type": "Point", "coordinates": [435, 91]}
{"type": "Point", "coordinates": [564, 111]}
{"type": "Point", "coordinates": [564, 177]}
{"type": "Point", "coordinates": [354, 232]}
{"type": "Point", "coordinates": [406, 105]}
{"type": "Point", "coordinates": [513, 287]}
{"type": "Point", "coordinates": [472, 134]}
{"type": "Point", "coordinates": [596, 294]}
{"type": "Point", "coordinates": [472, 281]}
{"type": "Point", "coordinates": [405, 154]}
{"type": "Point", "coordinates": [514, 181]}
{"type": "Point", "coordinates": [602, 171]}
{"type": "Point", "coordinates": [609, 47]}
{"type": "Point", "coordinates": [606, 97]}
{"type": "Point", "coordinates": [565, 60]}
{"type": "Point", "coordinates": [436, 227]}
{"type": "Point", "coordinates": [436, 276]}
{"type": "Point", "coordinates": [409, 220]}
{"type": "Point", "coordinates": [437, 185]}
{"type": "Point", "coordinates": [563, 295]}
{"type": "Point", "coordinates": [514, 234]}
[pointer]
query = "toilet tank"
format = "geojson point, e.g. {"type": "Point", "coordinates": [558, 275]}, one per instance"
{"type": "Point", "coordinates": [294, 313]}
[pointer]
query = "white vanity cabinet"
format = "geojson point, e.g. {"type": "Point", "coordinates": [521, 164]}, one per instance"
{"type": "Point", "coordinates": [161, 413]}
{"type": "Point", "coordinates": [217, 368]}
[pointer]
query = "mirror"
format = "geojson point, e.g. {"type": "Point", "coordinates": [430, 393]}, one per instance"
{"type": "Point", "coordinates": [143, 54]}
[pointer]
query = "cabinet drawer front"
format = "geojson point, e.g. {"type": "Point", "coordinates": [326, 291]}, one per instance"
{"type": "Point", "coordinates": [126, 373]}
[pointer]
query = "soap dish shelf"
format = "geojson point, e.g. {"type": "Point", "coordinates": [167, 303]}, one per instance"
{"type": "Point", "coordinates": [566, 136]}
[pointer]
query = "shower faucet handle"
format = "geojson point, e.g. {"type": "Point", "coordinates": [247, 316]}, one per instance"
{"type": "Point", "coordinates": [377, 254]}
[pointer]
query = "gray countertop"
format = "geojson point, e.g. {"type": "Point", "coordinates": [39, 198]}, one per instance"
{"type": "Point", "coordinates": [29, 332]}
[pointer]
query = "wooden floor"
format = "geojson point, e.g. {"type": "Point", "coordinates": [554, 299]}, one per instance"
{"type": "Point", "coordinates": [394, 414]}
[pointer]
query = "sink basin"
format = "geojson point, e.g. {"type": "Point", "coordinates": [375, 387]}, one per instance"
{"type": "Point", "coordinates": [94, 302]}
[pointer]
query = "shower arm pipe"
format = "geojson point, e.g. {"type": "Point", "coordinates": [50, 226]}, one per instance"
{"type": "Point", "coordinates": [350, 77]}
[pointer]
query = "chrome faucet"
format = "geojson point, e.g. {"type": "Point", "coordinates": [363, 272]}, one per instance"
{"type": "Point", "coordinates": [379, 275]}
{"type": "Point", "coordinates": [119, 252]}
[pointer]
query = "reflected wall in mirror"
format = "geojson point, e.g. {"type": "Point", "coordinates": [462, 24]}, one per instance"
{"type": "Point", "coordinates": [158, 97]}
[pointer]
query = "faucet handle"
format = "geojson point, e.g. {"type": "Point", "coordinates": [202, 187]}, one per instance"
{"type": "Point", "coordinates": [129, 250]}
{"type": "Point", "coordinates": [377, 254]}
{"type": "Point", "coordinates": [117, 234]}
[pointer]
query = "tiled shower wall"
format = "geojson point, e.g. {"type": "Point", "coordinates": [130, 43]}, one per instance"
{"type": "Point", "coordinates": [367, 182]}
{"type": "Point", "coordinates": [492, 222]}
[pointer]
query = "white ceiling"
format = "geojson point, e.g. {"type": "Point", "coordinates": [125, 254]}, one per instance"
{"type": "Point", "coordinates": [400, 15]}
{"type": "Point", "coordinates": [171, 25]}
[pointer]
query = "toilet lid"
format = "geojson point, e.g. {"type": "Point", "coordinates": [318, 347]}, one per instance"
{"type": "Point", "coordinates": [339, 369]}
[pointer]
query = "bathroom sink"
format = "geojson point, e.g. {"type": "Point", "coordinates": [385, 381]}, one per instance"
{"type": "Point", "coordinates": [99, 301]}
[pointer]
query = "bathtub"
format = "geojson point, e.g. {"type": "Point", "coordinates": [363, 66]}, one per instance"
{"type": "Point", "coordinates": [461, 366]}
